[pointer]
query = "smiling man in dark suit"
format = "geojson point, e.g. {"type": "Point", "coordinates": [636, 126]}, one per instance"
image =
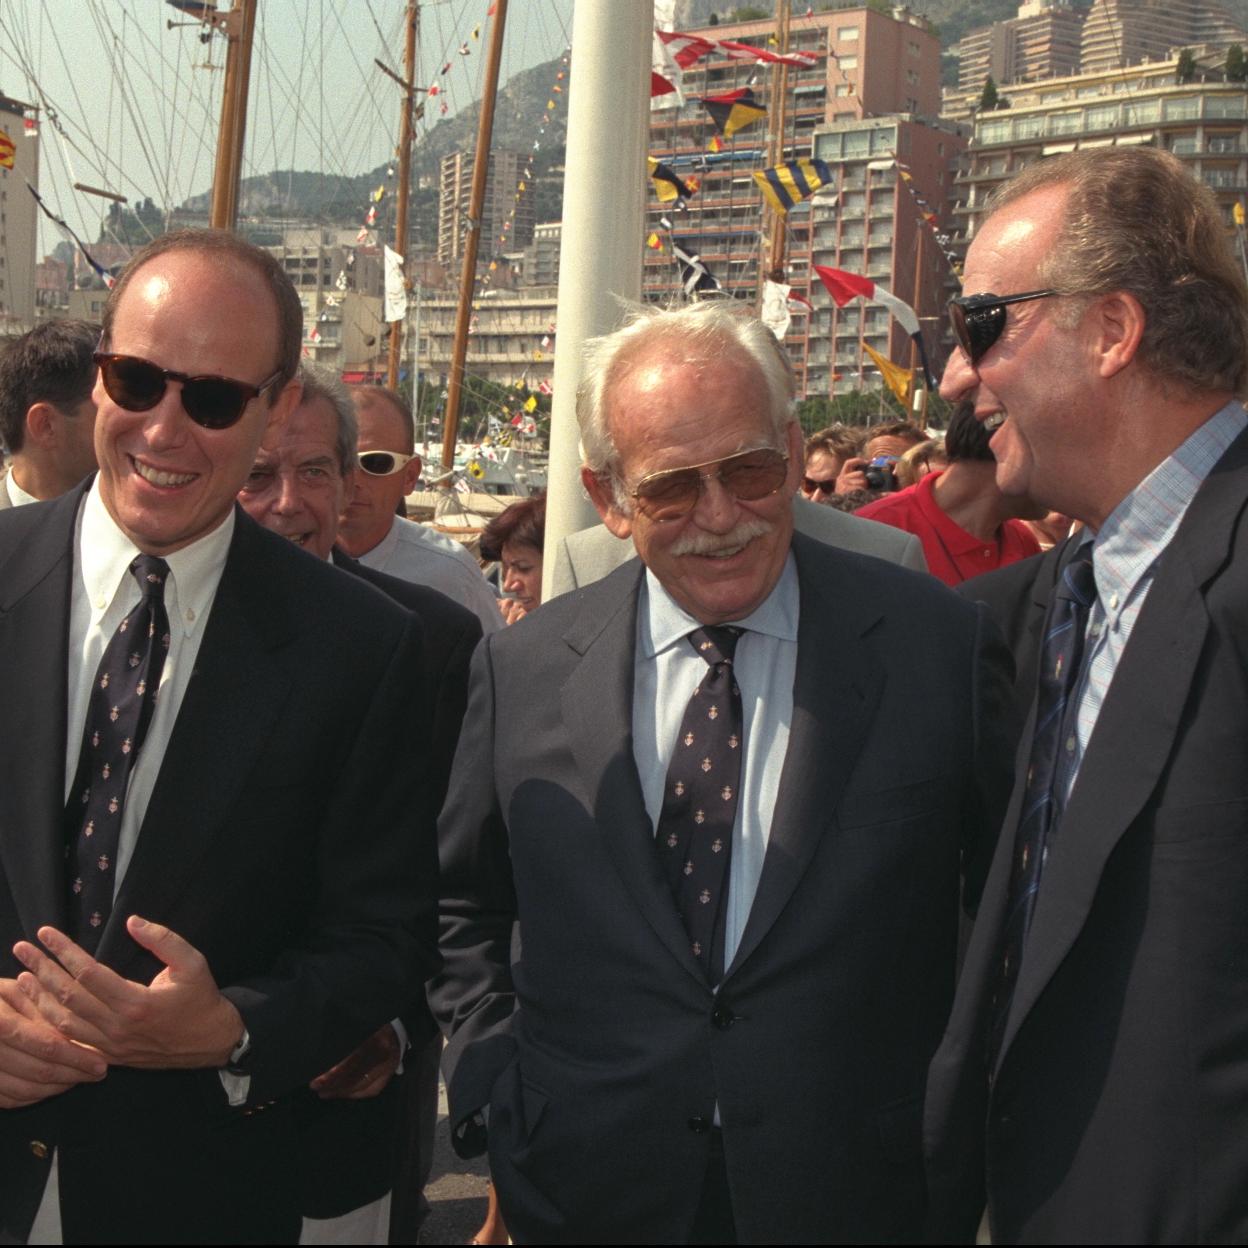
{"type": "Point", "coordinates": [1092, 1080]}
{"type": "Point", "coordinates": [216, 878]}
{"type": "Point", "coordinates": [728, 792]}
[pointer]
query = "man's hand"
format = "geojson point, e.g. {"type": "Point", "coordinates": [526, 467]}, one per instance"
{"type": "Point", "coordinates": [180, 1021]}
{"type": "Point", "coordinates": [36, 1061]}
{"type": "Point", "coordinates": [852, 476]}
{"type": "Point", "coordinates": [363, 1073]}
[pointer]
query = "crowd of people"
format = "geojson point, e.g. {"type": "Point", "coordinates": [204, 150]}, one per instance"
{"type": "Point", "coordinates": [851, 848]}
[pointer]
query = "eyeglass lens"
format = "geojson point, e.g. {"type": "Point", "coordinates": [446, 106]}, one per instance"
{"type": "Point", "coordinates": [138, 385]}
{"type": "Point", "coordinates": [747, 477]}
{"type": "Point", "coordinates": [379, 463]}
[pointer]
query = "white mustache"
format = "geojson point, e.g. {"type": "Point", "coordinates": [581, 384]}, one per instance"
{"type": "Point", "coordinates": [702, 543]}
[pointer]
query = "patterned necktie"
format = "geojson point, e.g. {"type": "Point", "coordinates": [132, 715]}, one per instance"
{"type": "Point", "coordinates": [118, 714]}
{"type": "Point", "coordinates": [1052, 748]}
{"type": "Point", "coordinates": [700, 800]}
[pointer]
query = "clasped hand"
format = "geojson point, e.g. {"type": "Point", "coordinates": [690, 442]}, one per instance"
{"type": "Point", "coordinates": [67, 1018]}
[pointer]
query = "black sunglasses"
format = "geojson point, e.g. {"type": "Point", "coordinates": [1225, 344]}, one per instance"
{"type": "Point", "coordinates": [979, 319]}
{"type": "Point", "coordinates": [810, 485]}
{"type": "Point", "coordinates": [213, 402]}
{"type": "Point", "coordinates": [749, 476]}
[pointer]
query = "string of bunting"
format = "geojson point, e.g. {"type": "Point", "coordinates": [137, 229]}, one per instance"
{"type": "Point", "coordinates": [930, 219]}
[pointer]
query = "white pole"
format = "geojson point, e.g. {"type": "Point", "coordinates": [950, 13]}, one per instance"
{"type": "Point", "coordinates": [603, 211]}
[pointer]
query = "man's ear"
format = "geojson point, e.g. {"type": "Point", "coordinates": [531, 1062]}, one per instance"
{"type": "Point", "coordinates": [1119, 324]}
{"type": "Point", "coordinates": [411, 474]}
{"type": "Point", "coordinates": [42, 427]}
{"type": "Point", "coordinates": [284, 404]}
{"type": "Point", "coordinates": [797, 456]}
{"type": "Point", "coordinates": [603, 497]}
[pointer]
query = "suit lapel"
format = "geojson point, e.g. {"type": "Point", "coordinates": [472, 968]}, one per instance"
{"type": "Point", "coordinates": [1144, 705]}
{"type": "Point", "coordinates": [597, 701]}
{"type": "Point", "coordinates": [34, 652]}
{"type": "Point", "coordinates": [833, 703]}
{"type": "Point", "coordinates": [216, 739]}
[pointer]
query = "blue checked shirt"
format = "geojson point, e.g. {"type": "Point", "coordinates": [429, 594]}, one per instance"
{"type": "Point", "coordinates": [1125, 555]}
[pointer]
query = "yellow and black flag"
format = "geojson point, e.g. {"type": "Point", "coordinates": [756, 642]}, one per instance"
{"type": "Point", "coordinates": [734, 110]}
{"type": "Point", "coordinates": [790, 183]}
{"type": "Point", "coordinates": [666, 184]}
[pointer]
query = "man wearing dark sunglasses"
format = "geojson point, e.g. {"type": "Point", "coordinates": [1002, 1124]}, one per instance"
{"type": "Point", "coordinates": [1090, 1086]}
{"type": "Point", "coordinates": [727, 792]}
{"type": "Point", "coordinates": [217, 851]}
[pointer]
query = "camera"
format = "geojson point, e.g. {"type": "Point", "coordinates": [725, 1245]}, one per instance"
{"type": "Point", "coordinates": [879, 474]}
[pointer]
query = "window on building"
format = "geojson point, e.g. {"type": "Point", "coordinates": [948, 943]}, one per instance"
{"type": "Point", "coordinates": [847, 62]}
{"type": "Point", "coordinates": [844, 89]}
{"type": "Point", "coordinates": [883, 140]}
{"type": "Point", "coordinates": [992, 132]}
{"type": "Point", "coordinates": [1185, 108]}
{"type": "Point", "coordinates": [1222, 176]}
{"type": "Point", "coordinates": [1223, 143]}
{"type": "Point", "coordinates": [1029, 127]}
{"type": "Point", "coordinates": [912, 46]}
{"type": "Point", "coordinates": [1182, 144]}
{"type": "Point", "coordinates": [1224, 105]}
{"type": "Point", "coordinates": [1065, 123]}
{"type": "Point", "coordinates": [847, 34]}
{"type": "Point", "coordinates": [1103, 118]}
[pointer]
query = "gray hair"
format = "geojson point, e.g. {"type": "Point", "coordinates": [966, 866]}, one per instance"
{"type": "Point", "coordinates": [695, 334]}
{"type": "Point", "coordinates": [320, 383]}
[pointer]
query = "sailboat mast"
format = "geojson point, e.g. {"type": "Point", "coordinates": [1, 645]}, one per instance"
{"type": "Point", "coordinates": [779, 101]}
{"type": "Point", "coordinates": [405, 182]}
{"type": "Point", "coordinates": [239, 25]}
{"type": "Point", "coordinates": [476, 203]}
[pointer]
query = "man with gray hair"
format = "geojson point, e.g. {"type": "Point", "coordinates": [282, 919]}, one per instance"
{"type": "Point", "coordinates": [365, 1138]}
{"type": "Point", "coordinates": [1093, 1084]}
{"type": "Point", "coordinates": [729, 792]}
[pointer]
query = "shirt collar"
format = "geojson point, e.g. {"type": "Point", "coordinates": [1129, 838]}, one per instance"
{"type": "Point", "coordinates": [17, 496]}
{"type": "Point", "coordinates": [105, 554]}
{"type": "Point", "coordinates": [1139, 528]}
{"type": "Point", "coordinates": [665, 624]}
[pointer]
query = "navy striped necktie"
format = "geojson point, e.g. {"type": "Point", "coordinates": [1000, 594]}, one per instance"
{"type": "Point", "coordinates": [1052, 750]}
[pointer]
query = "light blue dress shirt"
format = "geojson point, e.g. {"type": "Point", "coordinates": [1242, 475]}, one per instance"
{"type": "Point", "coordinates": [666, 669]}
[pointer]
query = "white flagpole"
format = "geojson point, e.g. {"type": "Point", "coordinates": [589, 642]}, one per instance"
{"type": "Point", "coordinates": [604, 199]}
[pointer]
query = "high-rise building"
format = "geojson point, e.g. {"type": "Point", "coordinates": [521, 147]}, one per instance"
{"type": "Point", "coordinates": [1118, 33]}
{"type": "Point", "coordinates": [1042, 41]}
{"type": "Point", "coordinates": [507, 216]}
{"type": "Point", "coordinates": [1204, 123]}
{"type": "Point", "coordinates": [876, 82]}
{"type": "Point", "coordinates": [18, 216]}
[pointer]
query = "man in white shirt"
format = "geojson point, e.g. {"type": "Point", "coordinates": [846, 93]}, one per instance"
{"type": "Point", "coordinates": [727, 792]}
{"type": "Point", "coordinates": [373, 529]}
{"type": "Point", "coordinates": [217, 878]}
{"type": "Point", "coordinates": [47, 412]}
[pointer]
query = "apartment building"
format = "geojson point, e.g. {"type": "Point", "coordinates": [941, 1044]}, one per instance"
{"type": "Point", "coordinates": [1042, 41]}
{"type": "Point", "coordinates": [503, 177]}
{"type": "Point", "coordinates": [1203, 122]}
{"type": "Point", "coordinates": [19, 216]}
{"type": "Point", "coordinates": [1118, 33]}
{"type": "Point", "coordinates": [871, 67]}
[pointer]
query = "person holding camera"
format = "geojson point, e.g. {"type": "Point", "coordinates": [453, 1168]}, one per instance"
{"type": "Point", "coordinates": [967, 526]}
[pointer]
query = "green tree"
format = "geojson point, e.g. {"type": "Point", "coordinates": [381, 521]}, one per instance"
{"type": "Point", "coordinates": [1236, 64]}
{"type": "Point", "coordinates": [1185, 70]}
{"type": "Point", "coordinates": [989, 99]}
{"type": "Point", "coordinates": [750, 13]}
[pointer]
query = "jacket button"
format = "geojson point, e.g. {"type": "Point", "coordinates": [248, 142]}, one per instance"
{"type": "Point", "coordinates": [699, 1125]}
{"type": "Point", "coordinates": [722, 1016]}
{"type": "Point", "coordinates": [39, 1148]}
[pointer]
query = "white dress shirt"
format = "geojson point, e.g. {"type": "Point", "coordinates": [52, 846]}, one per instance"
{"type": "Point", "coordinates": [416, 553]}
{"type": "Point", "coordinates": [667, 669]}
{"type": "Point", "coordinates": [103, 593]}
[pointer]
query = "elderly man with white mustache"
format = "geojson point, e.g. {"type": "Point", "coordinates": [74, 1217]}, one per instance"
{"type": "Point", "coordinates": [730, 793]}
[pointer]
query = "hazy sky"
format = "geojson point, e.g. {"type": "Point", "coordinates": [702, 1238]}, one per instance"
{"type": "Point", "coordinates": [138, 103]}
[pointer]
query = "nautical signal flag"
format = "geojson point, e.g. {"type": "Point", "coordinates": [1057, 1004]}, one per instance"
{"type": "Point", "coordinates": [716, 144]}
{"type": "Point", "coordinates": [843, 287]}
{"type": "Point", "coordinates": [745, 52]}
{"type": "Point", "coordinates": [897, 378]}
{"type": "Point", "coordinates": [734, 110]}
{"type": "Point", "coordinates": [654, 242]}
{"type": "Point", "coordinates": [667, 185]}
{"type": "Point", "coordinates": [530, 404]}
{"type": "Point", "coordinates": [694, 274]}
{"type": "Point", "coordinates": [6, 150]}
{"type": "Point", "coordinates": [790, 183]}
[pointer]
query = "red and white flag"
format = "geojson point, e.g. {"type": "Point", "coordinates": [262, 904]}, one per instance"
{"type": "Point", "coordinates": [745, 52]}
{"type": "Point", "coordinates": [844, 286]}
{"type": "Point", "coordinates": [672, 54]}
